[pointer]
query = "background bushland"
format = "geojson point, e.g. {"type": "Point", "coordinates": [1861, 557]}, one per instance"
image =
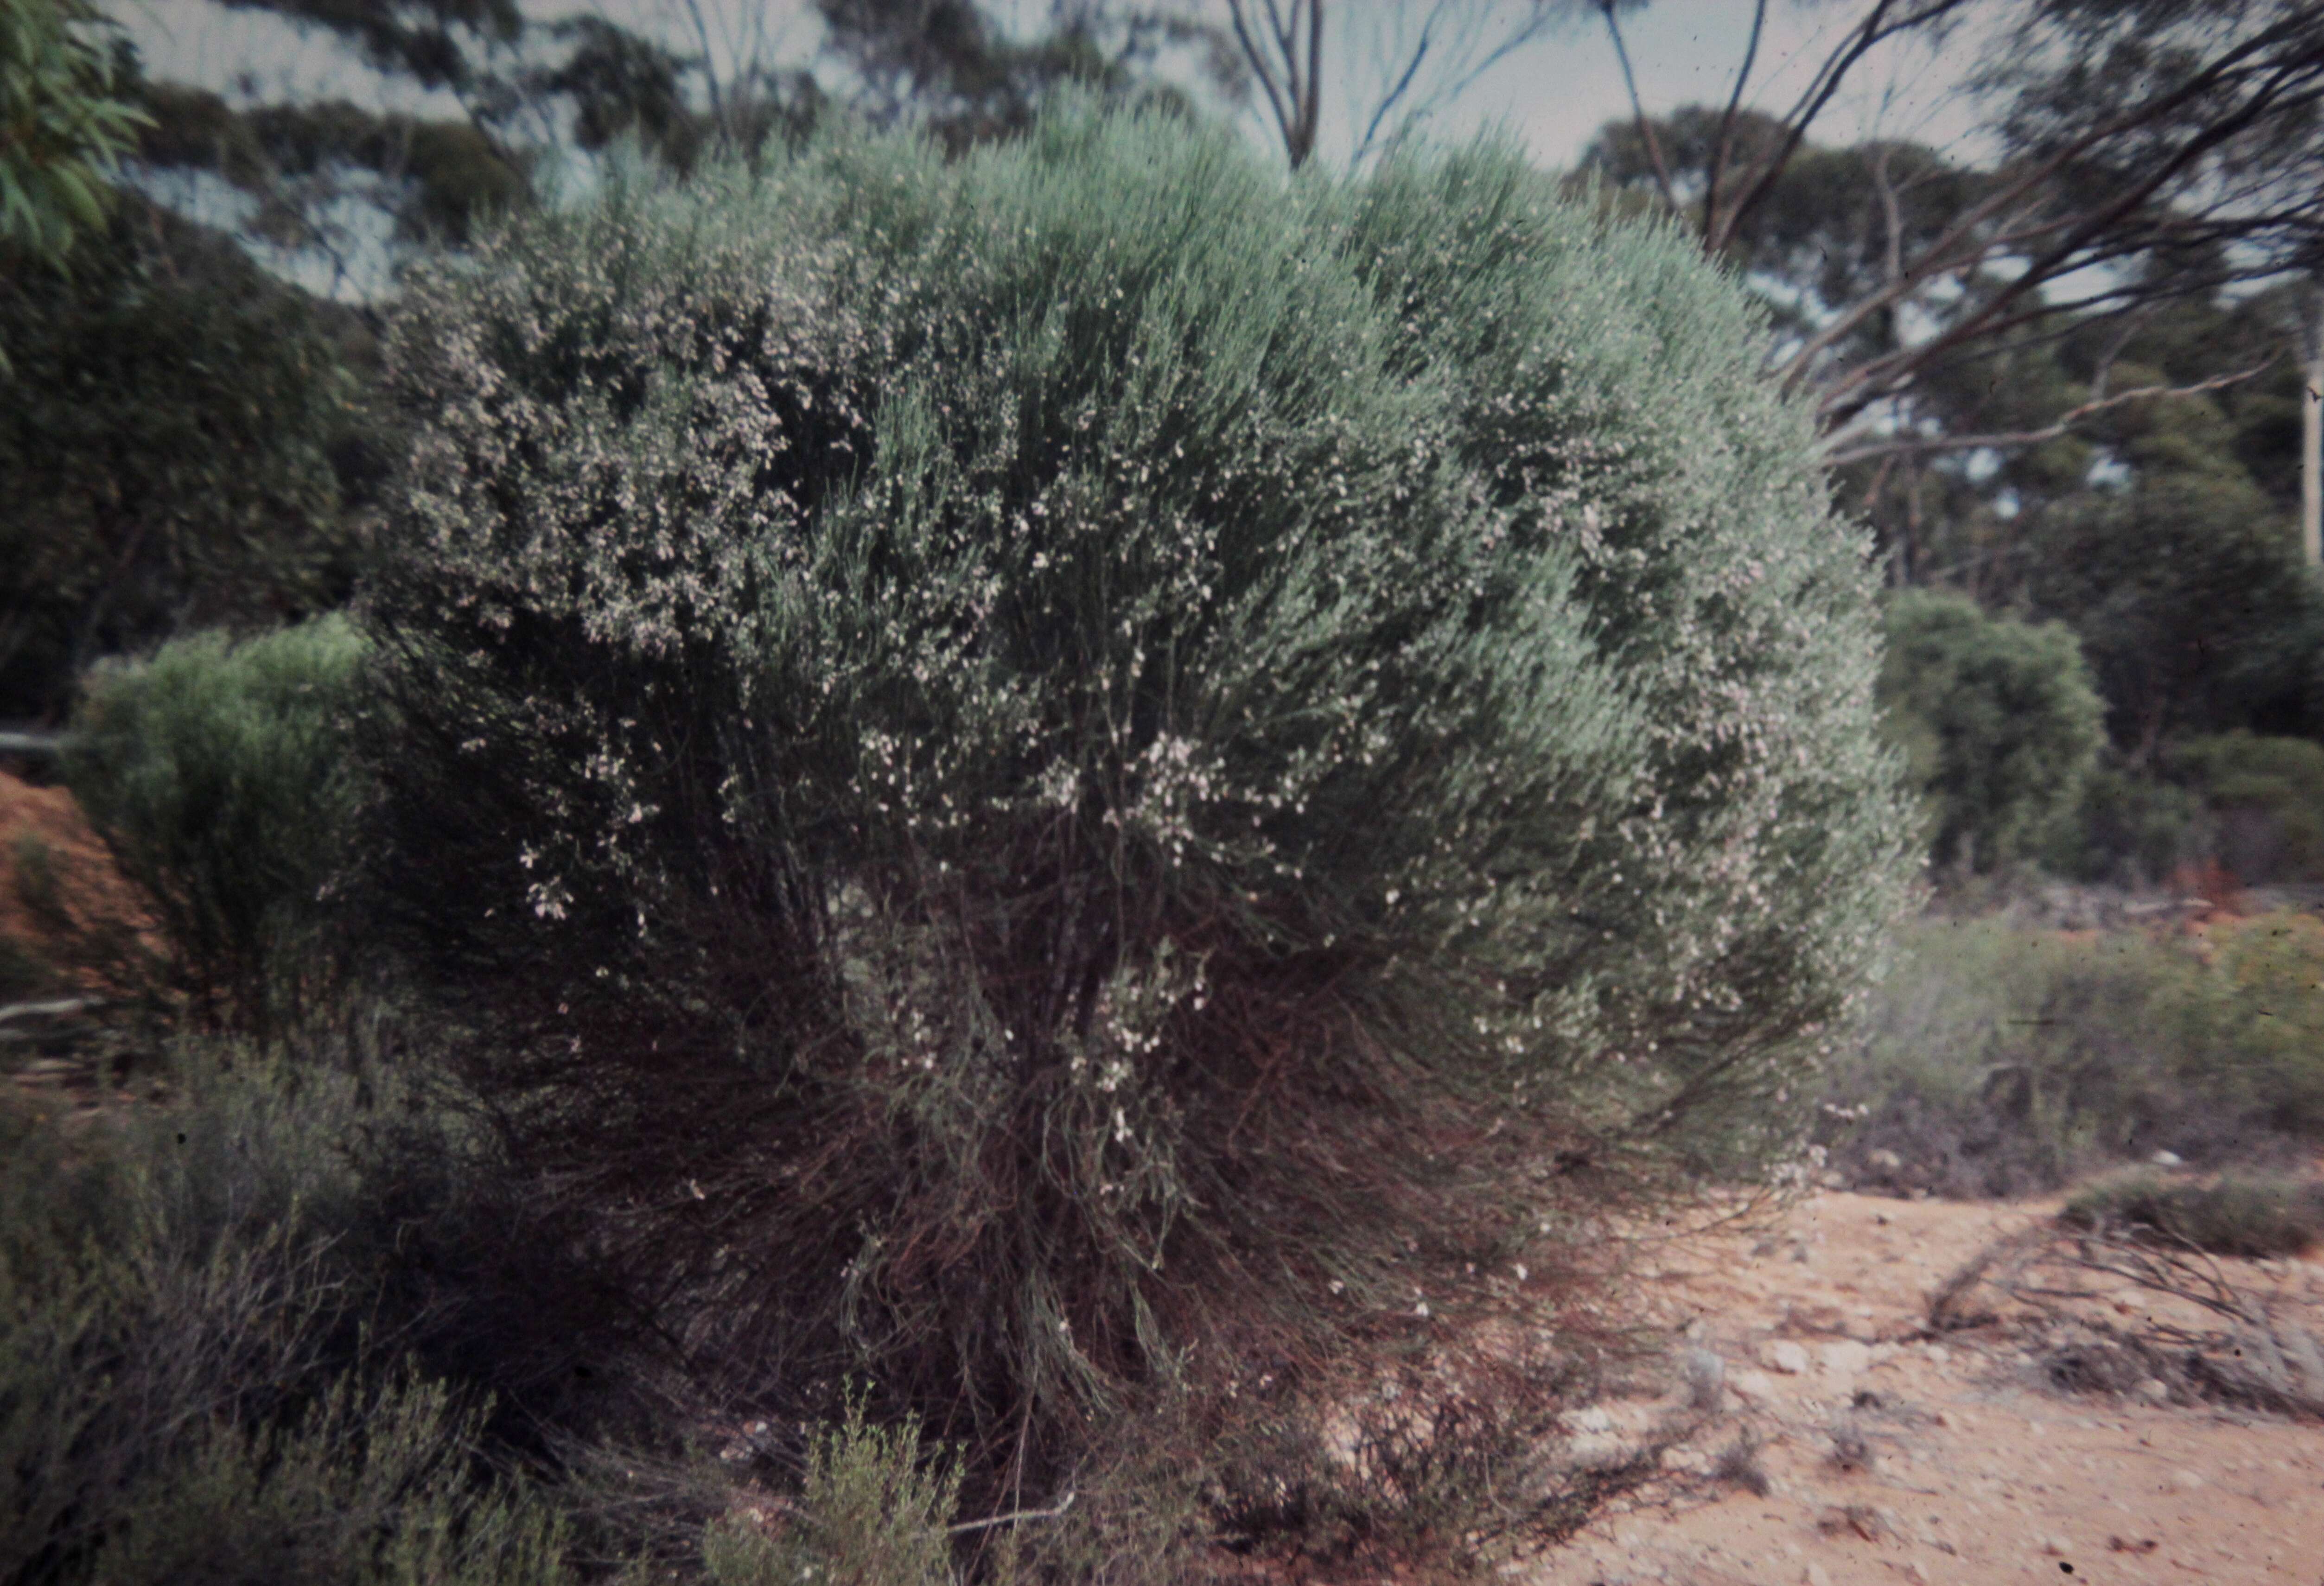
{"type": "Point", "coordinates": [186, 442]}
{"type": "Point", "coordinates": [1998, 721]}
{"type": "Point", "coordinates": [2000, 1059]}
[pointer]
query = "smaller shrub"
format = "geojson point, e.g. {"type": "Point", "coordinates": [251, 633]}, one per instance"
{"type": "Point", "coordinates": [2272, 973]}
{"type": "Point", "coordinates": [1740, 1464]}
{"type": "Point", "coordinates": [872, 1511]}
{"type": "Point", "coordinates": [186, 1388]}
{"type": "Point", "coordinates": [1999, 723]}
{"type": "Point", "coordinates": [2253, 1217]}
{"type": "Point", "coordinates": [2131, 830]}
{"type": "Point", "coordinates": [367, 1486]}
{"type": "Point", "coordinates": [217, 774]}
{"type": "Point", "coordinates": [2266, 795]}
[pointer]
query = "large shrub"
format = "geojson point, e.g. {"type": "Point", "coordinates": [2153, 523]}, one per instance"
{"type": "Point", "coordinates": [1085, 785]}
{"type": "Point", "coordinates": [2001, 725]}
{"type": "Point", "coordinates": [218, 773]}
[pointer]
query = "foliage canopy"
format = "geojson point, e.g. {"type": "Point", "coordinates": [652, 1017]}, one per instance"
{"type": "Point", "coordinates": [182, 439]}
{"type": "Point", "coordinates": [2000, 720]}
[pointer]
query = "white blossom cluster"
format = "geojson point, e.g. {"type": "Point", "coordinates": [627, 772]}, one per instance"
{"type": "Point", "coordinates": [1084, 558]}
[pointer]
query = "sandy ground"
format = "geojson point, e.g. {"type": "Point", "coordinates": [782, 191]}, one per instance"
{"type": "Point", "coordinates": [1956, 1460]}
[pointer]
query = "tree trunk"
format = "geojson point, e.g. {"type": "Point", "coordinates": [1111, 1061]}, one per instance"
{"type": "Point", "coordinates": [2311, 419]}
{"type": "Point", "coordinates": [1912, 547]}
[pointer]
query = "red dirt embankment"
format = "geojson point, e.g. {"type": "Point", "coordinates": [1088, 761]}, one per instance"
{"type": "Point", "coordinates": [90, 884]}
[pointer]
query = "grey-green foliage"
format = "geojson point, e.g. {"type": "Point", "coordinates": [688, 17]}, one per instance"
{"type": "Point", "coordinates": [219, 775]}
{"type": "Point", "coordinates": [987, 721]}
{"type": "Point", "coordinates": [2000, 722]}
{"type": "Point", "coordinates": [1999, 1059]}
{"type": "Point", "coordinates": [2254, 1216]}
{"type": "Point", "coordinates": [184, 1395]}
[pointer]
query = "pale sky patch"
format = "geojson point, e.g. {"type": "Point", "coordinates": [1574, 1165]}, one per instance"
{"type": "Point", "coordinates": [1554, 94]}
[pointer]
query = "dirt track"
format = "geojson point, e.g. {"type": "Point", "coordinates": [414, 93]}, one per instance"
{"type": "Point", "coordinates": [1892, 1456]}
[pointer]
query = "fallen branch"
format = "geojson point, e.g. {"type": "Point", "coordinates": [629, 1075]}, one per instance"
{"type": "Point", "coordinates": [1013, 1517]}
{"type": "Point", "coordinates": [63, 1008]}
{"type": "Point", "coordinates": [2254, 1360]}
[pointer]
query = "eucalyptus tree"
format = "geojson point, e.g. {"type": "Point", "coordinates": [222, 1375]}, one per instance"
{"type": "Point", "coordinates": [2147, 151]}
{"type": "Point", "coordinates": [1395, 67]}
{"type": "Point", "coordinates": [67, 126]}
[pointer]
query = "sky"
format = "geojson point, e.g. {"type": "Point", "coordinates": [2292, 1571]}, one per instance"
{"type": "Point", "coordinates": [1554, 93]}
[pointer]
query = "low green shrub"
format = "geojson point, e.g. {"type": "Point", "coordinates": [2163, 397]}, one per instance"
{"type": "Point", "coordinates": [2269, 976]}
{"type": "Point", "coordinates": [2132, 830]}
{"type": "Point", "coordinates": [2252, 1217]}
{"type": "Point", "coordinates": [219, 774]}
{"type": "Point", "coordinates": [874, 1510]}
{"type": "Point", "coordinates": [276, 1325]}
{"type": "Point", "coordinates": [2000, 1060]}
{"type": "Point", "coordinates": [366, 1487]}
{"type": "Point", "coordinates": [189, 1390]}
{"type": "Point", "coordinates": [1999, 721]}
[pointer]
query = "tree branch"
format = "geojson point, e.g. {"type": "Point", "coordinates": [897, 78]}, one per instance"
{"type": "Point", "coordinates": [1884, 374]}
{"type": "Point", "coordinates": [1872, 31]}
{"type": "Point", "coordinates": [1011, 1518]}
{"type": "Point", "coordinates": [1890, 446]}
{"type": "Point", "coordinates": [1727, 124]}
{"type": "Point", "coordinates": [1260, 67]}
{"type": "Point", "coordinates": [1403, 84]}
